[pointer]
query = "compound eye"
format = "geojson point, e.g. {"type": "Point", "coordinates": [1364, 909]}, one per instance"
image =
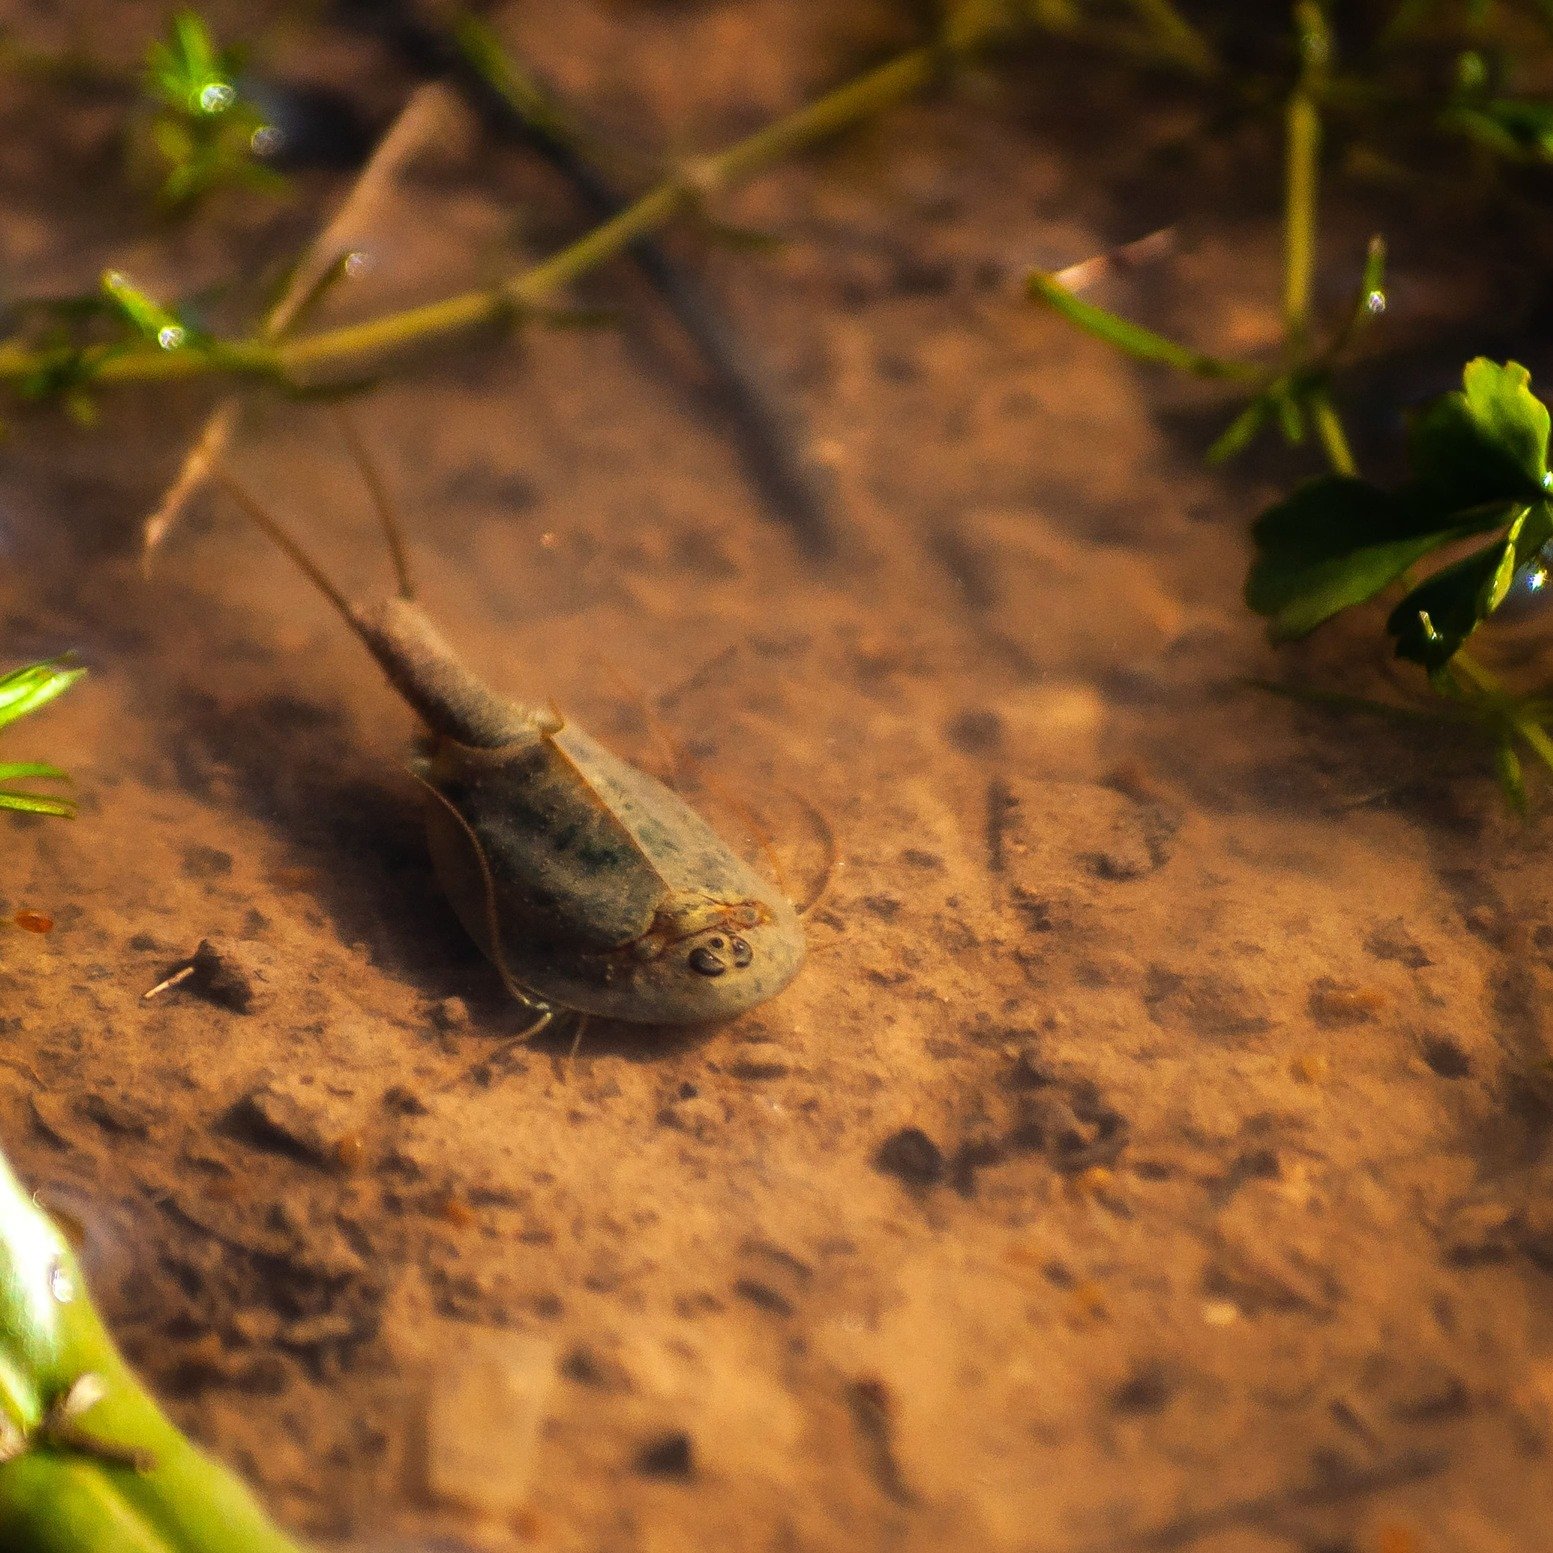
{"type": "Point", "coordinates": [742, 953]}
{"type": "Point", "coordinates": [707, 962]}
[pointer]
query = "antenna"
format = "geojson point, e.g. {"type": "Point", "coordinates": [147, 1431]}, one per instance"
{"type": "Point", "coordinates": [393, 531]}
{"type": "Point", "coordinates": [282, 538]}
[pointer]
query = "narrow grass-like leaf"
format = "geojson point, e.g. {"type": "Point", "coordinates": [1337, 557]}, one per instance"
{"type": "Point", "coordinates": [1242, 431]}
{"type": "Point", "coordinates": [484, 53]}
{"type": "Point", "coordinates": [1517, 128]}
{"type": "Point", "coordinates": [16, 770]}
{"type": "Point", "coordinates": [1512, 780]}
{"type": "Point", "coordinates": [26, 689]}
{"type": "Point", "coordinates": [36, 803]}
{"type": "Point", "coordinates": [1130, 338]}
{"type": "Point", "coordinates": [1369, 299]}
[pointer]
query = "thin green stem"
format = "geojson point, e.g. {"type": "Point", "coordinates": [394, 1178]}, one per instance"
{"type": "Point", "coordinates": [1130, 338]}
{"type": "Point", "coordinates": [1302, 172]}
{"type": "Point", "coordinates": [1334, 439]}
{"type": "Point", "coordinates": [877, 90]}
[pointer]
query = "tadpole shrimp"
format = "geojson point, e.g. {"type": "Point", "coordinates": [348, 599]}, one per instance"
{"type": "Point", "coordinates": [592, 887]}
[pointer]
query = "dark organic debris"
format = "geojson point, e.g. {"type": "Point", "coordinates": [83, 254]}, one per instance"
{"type": "Point", "coordinates": [873, 1411]}
{"type": "Point", "coordinates": [225, 971]}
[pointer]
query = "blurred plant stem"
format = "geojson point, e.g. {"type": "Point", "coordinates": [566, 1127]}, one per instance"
{"type": "Point", "coordinates": [1302, 173]}
{"type": "Point", "coordinates": [320, 267]}
{"type": "Point", "coordinates": [88, 1462]}
{"type": "Point", "coordinates": [291, 359]}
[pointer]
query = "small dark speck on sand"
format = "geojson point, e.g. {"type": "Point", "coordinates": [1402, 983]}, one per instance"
{"type": "Point", "coordinates": [668, 1455]}
{"type": "Point", "coordinates": [912, 1158]}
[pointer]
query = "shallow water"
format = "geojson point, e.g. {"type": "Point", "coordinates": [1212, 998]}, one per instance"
{"type": "Point", "coordinates": [1220, 1021]}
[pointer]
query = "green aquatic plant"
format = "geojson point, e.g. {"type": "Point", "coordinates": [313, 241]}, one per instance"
{"type": "Point", "coordinates": [1478, 460]}
{"type": "Point", "coordinates": [34, 369]}
{"type": "Point", "coordinates": [22, 691]}
{"type": "Point", "coordinates": [88, 1462]}
{"type": "Point", "coordinates": [202, 132]}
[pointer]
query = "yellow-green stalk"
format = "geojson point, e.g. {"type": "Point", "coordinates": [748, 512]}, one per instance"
{"type": "Point", "coordinates": [88, 1462]}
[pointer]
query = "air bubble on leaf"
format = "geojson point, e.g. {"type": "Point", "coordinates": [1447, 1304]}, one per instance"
{"type": "Point", "coordinates": [1375, 302]}
{"type": "Point", "coordinates": [216, 97]}
{"type": "Point", "coordinates": [171, 336]}
{"type": "Point", "coordinates": [61, 1284]}
{"type": "Point", "coordinates": [357, 262]}
{"type": "Point", "coordinates": [1531, 591]}
{"type": "Point", "coordinates": [266, 140]}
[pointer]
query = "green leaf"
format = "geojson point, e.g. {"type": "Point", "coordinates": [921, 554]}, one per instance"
{"type": "Point", "coordinates": [1291, 418]}
{"type": "Point", "coordinates": [26, 689]}
{"type": "Point", "coordinates": [483, 52]}
{"type": "Point", "coordinates": [186, 71]}
{"type": "Point", "coordinates": [1519, 128]}
{"type": "Point", "coordinates": [146, 316]}
{"type": "Point", "coordinates": [1432, 622]}
{"type": "Point", "coordinates": [1369, 299]}
{"type": "Point", "coordinates": [1488, 442]}
{"type": "Point", "coordinates": [16, 770]}
{"type": "Point", "coordinates": [35, 803]}
{"type": "Point", "coordinates": [971, 25]}
{"type": "Point", "coordinates": [1334, 543]}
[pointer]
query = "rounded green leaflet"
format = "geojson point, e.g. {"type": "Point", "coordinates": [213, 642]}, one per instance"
{"type": "Point", "coordinates": [88, 1462]}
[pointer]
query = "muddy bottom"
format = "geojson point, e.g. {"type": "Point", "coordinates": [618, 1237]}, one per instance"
{"type": "Point", "coordinates": [1152, 1153]}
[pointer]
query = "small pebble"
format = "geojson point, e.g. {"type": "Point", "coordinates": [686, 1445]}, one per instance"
{"type": "Point", "coordinates": [1342, 1003]}
{"type": "Point", "coordinates": [757, 1060]}
{"type": "Point", "coordinates": [404, 1101]}
{"type": "Point", "coordinates": [292, 1117]}
{"type": "Point", "coordinates": [1147, 1390]}
{"type": "Point", "coordinates": [486, 1405]}
{"type": "Point", "coordinates": [1311, 1068]}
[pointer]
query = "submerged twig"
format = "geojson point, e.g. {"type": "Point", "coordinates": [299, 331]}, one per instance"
{"type": "Point", "coordinates": [521, 110]}
{"type": "Point", "coordinates": [287, 359]}
{"type": "Point", "coordinates": [312, 273]}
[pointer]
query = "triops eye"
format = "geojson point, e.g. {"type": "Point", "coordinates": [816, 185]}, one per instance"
{"type": "Point", "coordinates": [707, 962]}
{"type": "Point", "coordinates": [742, 953]}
